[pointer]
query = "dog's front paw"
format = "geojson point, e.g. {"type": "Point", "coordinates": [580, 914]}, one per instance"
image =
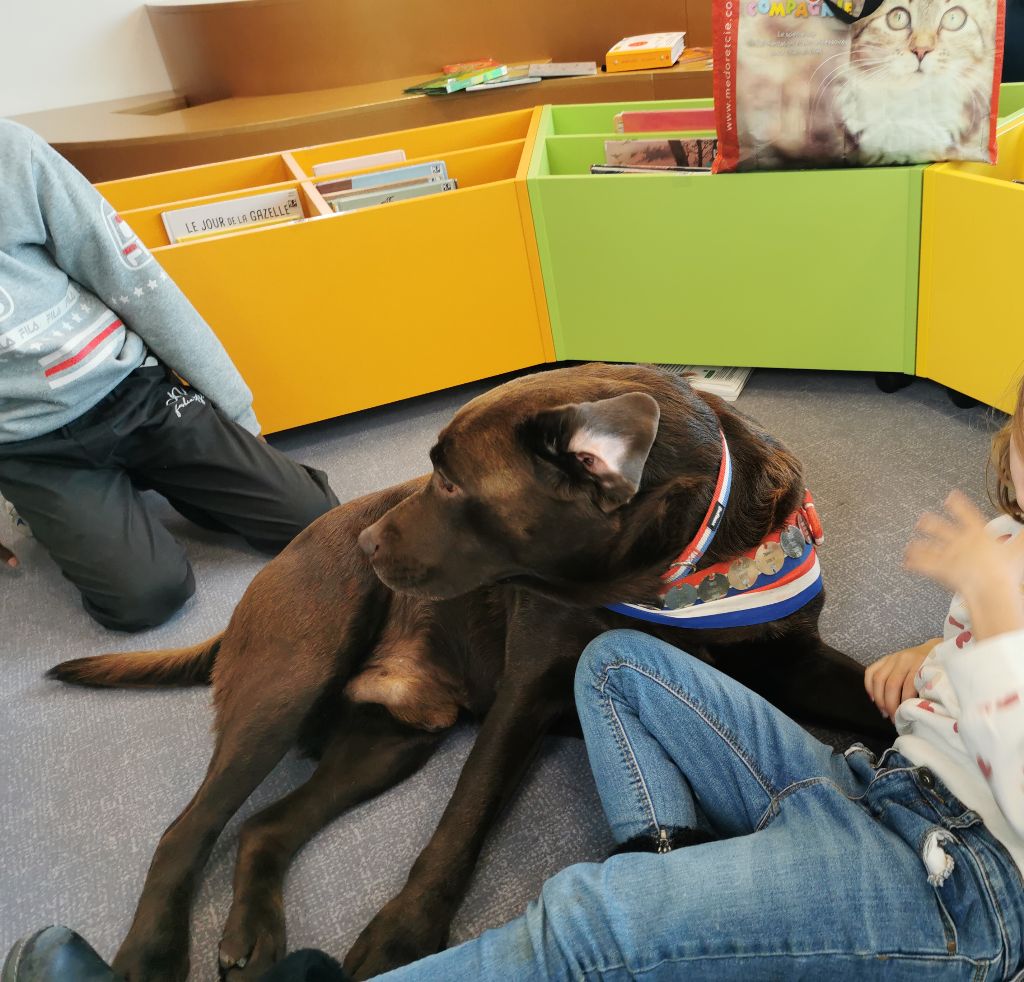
{"type": "Point", "coordinates": [395, 937]}
{"type": "Point", "coordinates": [253, 941]}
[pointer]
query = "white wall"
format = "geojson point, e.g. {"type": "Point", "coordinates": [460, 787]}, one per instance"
{"type": "Point", "coordinates": [56, 53]}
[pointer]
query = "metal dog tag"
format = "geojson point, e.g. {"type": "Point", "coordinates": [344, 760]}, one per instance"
{"type": "Point", "coordinates": [684, 595]}
{"type": "Point", "coordinates": [792, 542]}
{"type": "Point", "coordinates": [769, 557]}
{"type": "Point", "coordinates": [742, 573]}
{"type": "Point", "coordinates": [714, 587]}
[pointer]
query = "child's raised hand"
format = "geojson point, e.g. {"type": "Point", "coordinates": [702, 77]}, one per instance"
{"type": "Point", "coordinates": [890, 680]}
{"type": "Point", "coordinates": [7, 558]}
{"type": "Point", "coordinates": [957, 552]}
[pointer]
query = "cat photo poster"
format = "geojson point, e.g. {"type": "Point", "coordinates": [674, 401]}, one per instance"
{"type": "Point", "coordinates": [909, 81]}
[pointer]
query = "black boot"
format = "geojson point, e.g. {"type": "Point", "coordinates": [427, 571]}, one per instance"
{"type": "Point", "coordinates": [663, 840]}
{"type": "Point", "coordinates": [55, 954]}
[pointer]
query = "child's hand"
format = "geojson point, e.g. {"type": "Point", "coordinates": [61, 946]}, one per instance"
{"type": "Point", "coordinates": [890, 680]}
{"type": "Point", "coordinates": [7, 558]}
{"type": "Point", "coordinates": [958, 553]}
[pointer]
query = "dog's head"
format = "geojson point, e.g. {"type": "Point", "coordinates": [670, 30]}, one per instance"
{"type": "Point", "coordinates": [557, 479]}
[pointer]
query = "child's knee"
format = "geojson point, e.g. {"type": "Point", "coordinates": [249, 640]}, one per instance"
{"type": "Point", "coordinates": [606, 650]}
{"type": "Point", "coordinates": [148, 601]}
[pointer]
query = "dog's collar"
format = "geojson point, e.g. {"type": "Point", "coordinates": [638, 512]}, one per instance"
{"type": "Point", "coordinates": [686, 562]}
{"type": "Point", "coordinates": [769, 581]}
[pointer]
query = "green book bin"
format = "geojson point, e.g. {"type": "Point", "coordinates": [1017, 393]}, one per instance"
{"type": "Point", "coordinates": [800, 269]}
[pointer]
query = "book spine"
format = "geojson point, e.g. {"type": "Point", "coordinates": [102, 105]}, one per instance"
{"type": "Point", "coordinates": [386, 197]}
{"type": "Point", "coordinates": [457, 84]}
{"type": "Point", "coordinates": [435, 168]}
{"type": "Point", "coordinates": [666, 121]}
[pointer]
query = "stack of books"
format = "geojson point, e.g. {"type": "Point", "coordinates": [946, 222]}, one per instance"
{"type": "Point", "coordinates": [345, 194]}
{"type": "Point", "coordinates": [457, 78]}
{"type": "Point", "coordinates": [692, 153]}
{"type": "Point", "coordinates": [726, 383]}
{"type": "Point", "coordinates": [683, 155]}
{"type": "Point", "coordinates": [487, 74]}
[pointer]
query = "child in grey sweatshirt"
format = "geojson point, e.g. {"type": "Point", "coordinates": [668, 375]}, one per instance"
{"type": "Point", "coordinates": [91, 329]}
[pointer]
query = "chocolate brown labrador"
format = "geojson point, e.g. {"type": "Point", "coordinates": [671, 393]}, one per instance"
{"type": "Point", "coordinates": [470, 590]}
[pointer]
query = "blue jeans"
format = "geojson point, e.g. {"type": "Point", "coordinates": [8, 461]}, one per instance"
{"type": "Point", "coordinates": [823, 865]}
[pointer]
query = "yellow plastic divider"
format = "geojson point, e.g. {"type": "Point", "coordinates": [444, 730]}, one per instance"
{"type": "Point", "coordinates": [196, 182]}
{"type": "Point", "coordinates": [424, 142]}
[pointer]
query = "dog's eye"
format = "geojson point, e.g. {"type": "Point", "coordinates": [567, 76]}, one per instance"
{"type": "Point", "coordinates": [446, 486]}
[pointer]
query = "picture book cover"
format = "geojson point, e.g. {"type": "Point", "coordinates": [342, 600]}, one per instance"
{"type": "Point", "coordinates": [696, 152]}
{"type": "Point", "coordinates": [665, 120]}
{"type": "Point", "coordinates": [231, 215]}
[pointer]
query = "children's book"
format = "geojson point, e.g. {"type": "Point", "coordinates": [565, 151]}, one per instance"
{"type": "Point", "coordinates": [724, 382]}
{"type": "Point", "coordinates": [645, 51]}
{"type": "Point", "coordinates": [358, 163]}
{"type": "Point", "coordinates": [446, 84]}
{"type": "Point", "coordinates": [460, 67]}
{"type": "Point", "coordinates": [231, 215]}
{"type": "Point", "coordinates": [503, 83]}
{"type": "Point", "coordinates": [645, 169]}
{"type": "Point", "coordinates": [434, 169]}
{"type": "Point", "coordinates": [563, 69]}
{"type": "Point", "coordinates": [389, 186]}
{"type": "Point", "coordinates": [385, 196]}
{"type": "Point", "coordinates": [696, 152]}
{"type": "Point", "coordinates": [665, 120]}
{"type": "Point", "coordinates": [238, 228]}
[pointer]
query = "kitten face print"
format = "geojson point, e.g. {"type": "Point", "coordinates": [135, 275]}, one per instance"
{"type": "Point", "coordinates": [912, 82]}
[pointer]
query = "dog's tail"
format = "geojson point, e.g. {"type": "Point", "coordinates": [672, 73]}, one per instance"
{"type": "Point", "coordinates": [131, 669]}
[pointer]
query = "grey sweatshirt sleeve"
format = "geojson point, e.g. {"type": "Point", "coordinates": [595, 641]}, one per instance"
{"type": "Point", "coordinates": [86, 239]}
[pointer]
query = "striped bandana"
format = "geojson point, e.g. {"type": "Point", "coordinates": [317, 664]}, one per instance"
{"type": "Point", "coordinates": [775, 578]}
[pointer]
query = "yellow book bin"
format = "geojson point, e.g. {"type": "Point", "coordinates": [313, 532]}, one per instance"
{"type": "Point", "coordinates": [970, 333]}
{"type": "Point", "coordinates": [341, 312]}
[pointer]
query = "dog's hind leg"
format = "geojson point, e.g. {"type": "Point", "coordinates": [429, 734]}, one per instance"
{"type": "Point", "coordinates": [369, 752]}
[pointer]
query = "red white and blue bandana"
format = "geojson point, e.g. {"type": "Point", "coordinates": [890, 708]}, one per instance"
{"type": "Point", "coordinates": [776, 578]}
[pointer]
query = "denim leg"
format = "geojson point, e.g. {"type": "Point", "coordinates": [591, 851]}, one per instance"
{"type": "Point", "coordinates": [675, 743]}
{"type": "Point", "coordinates": [823, 892]}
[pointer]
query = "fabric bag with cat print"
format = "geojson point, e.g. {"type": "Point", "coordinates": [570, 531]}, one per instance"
{"type": "Point", "coordinates": [827, 83]}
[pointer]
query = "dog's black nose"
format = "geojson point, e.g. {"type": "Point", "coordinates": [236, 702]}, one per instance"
{"type": "Point", "coordinates": [369, 542]}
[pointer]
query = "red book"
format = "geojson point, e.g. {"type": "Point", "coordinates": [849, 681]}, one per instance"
{"type": "Point", "coordinates": [665, 120]}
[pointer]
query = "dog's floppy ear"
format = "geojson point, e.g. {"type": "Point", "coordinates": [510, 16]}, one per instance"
{"type": "Point", "coordinates": [606, 441]}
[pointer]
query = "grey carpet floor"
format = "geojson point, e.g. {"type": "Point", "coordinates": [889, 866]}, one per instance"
{"type": "Point", "coordinates": [89, 779]}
